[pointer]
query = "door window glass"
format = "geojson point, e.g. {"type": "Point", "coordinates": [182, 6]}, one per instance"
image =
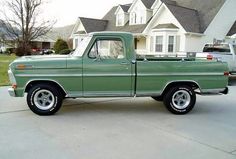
{"type": "Point", "coordinates": [107, 49]}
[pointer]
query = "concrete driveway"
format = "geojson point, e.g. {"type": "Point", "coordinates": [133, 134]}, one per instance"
{"type": "Point", "coordinates": [122, 128]}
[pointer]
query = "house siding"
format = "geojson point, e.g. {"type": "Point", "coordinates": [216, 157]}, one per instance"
{"type": "Point", "coordinates": [221, 24]}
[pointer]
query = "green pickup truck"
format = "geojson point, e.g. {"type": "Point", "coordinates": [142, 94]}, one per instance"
{"type": "Point", "coordinates": [105, 65]}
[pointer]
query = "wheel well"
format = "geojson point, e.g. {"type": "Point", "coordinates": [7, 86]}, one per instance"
{"type": "Point", "coordinates": [192, 85]}
{"type": "Point", "coordinates": [51, 83]}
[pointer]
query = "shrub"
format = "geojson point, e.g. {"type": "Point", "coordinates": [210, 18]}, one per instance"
{"type": "Point", "coordinates": [23, 50]}
{"type": "Point", "coordinates": [60, 45]}
{"type": "Point", "coordinates": [65, 51]}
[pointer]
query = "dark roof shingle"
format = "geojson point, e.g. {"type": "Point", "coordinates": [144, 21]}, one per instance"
{"type": "Point", "coordinates": [148, 3]}
{"type": "Point", "coordinates": [207, 10]}
{"type": "Point", "coordinates": [92, 25]}
{"type": "Point", "coordinates": [232, 30]}
{"type": "Point", "coordinates": [125, 7]}
{"type": "Point", "coordinates": [188, 18]}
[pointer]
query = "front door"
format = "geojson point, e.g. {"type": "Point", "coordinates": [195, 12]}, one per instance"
{"type": "Point", "coordinates": [106, 71]}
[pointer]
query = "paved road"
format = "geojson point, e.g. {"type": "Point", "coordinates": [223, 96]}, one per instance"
{"type": "Point", "coordinates": [123, 128]}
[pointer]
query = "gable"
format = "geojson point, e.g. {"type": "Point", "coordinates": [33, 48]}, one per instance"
{"type": "Point", "coordinates": [164, 19]}
{"type": "Point", "coordinates": [119, 10]}
{"type": "Point", "coordinates": [138, 4]}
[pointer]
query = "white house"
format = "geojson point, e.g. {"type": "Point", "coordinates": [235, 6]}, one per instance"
{"type": "Point", "coordinates": [166, 26]}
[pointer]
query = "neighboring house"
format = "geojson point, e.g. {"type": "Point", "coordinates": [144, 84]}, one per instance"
{"type": "Point", "coordinates": [165, 26]}
{"type": "Point", "coordinates": [42, 42]}
{"type": "Point", "coordinates": [8, 40]}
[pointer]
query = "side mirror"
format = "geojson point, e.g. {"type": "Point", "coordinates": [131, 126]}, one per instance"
{"type": "Point", "coordinates": [98, 58]}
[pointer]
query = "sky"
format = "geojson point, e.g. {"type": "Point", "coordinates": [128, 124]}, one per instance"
{"type": "Point", "coordinates": [66, 12]}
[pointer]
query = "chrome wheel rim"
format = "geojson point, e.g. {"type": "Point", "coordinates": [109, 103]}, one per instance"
{"type": "Point", "coordinates": [44, 99]}
{"type": "Point", "coordinates": [181, 99]}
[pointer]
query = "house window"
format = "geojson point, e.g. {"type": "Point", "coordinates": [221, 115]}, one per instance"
{"type": "Point", "coordinates": [76, 43]}
{"type": "Point", "coordinates": [141, 17]}
{"type": "Point", "coordinates": [119, 20]}
{"type": "Point", "coordinates": [159, 44]}
{"type": "Point", "coordinates": [171, 44]}
{"type": "Point", "coordinates": [133, 18]}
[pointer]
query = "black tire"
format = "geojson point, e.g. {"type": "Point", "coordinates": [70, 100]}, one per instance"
{"type": "Point", "coordinates": [47, 104]}
{"type": "Point", "coordinates": [158, 98]}
{"type": "Point", "coordinates": [180, 100]}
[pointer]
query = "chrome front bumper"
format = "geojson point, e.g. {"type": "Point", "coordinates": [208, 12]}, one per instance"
{"type": "Point", "coordinates": [12, 92]}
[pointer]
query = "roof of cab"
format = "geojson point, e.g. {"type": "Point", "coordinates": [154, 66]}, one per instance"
{"type": "Point", "coordinates": [107, 33]}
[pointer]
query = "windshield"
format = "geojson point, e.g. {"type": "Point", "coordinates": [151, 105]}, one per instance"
{"type": "Point", "coordinates": [217, 48]}
{"type": "Point", "coordinates": [79, 51]}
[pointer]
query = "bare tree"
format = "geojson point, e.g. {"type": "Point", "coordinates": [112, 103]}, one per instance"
{"type": "Point", "coordinates": [23, 23]}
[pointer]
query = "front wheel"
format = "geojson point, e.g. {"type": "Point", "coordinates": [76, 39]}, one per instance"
{"type": "Point", "coordinates": [44, 99]}
{"type": "Point", "coordinates": [180, 100]}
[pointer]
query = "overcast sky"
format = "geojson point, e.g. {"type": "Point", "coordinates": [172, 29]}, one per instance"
{"type": "Point", "coordinates": [67, 11]}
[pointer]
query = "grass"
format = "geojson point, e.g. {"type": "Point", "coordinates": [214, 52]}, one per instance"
{"type": "Point", "coordinates": [5, 60]}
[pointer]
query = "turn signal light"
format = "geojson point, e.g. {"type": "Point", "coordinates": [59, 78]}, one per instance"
{"type": "Point", "coordinates": [14, 86]}
{"type": "Point", "coordinates": [21, 66]}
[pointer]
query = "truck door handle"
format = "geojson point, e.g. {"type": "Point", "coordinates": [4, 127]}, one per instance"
{"type": "Point", "coordinates": [124, 63]}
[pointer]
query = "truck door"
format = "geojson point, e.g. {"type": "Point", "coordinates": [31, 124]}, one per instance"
{"type": "Point", "coordinates": [106, 70]}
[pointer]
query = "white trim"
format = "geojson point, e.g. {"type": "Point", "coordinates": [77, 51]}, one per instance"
{"type": "Point", "coordinates": [133, 4]}
{"type": "Point", "coordinates": [75, 28]}
{"type": "Point", "coordinates": [195, 34]}
{"type": "Point", "coordinates": [118, 8]}
{"type": "Point", "coordinates": [156, 2]}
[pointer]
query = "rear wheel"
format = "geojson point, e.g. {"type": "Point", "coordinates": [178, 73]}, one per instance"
{"type": "Point", "coordinates": [44, 99]}
{"type": "Point", "coordinates": [180, 100]}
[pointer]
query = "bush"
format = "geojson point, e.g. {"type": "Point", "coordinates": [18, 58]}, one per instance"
{"type": "Point", "coordinates": [65, 51]}
{"type": "Point", "coordinates": [23, 50]}
{"type": "Point", "coordinates": [10, 51]}
{"type": "Point", "coordinates": [60, 45]}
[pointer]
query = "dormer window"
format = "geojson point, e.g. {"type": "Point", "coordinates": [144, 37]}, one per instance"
{"type": "Point", "coordinates": [137, 17]}
{"type": "Point", "coordinates": [120, 20]}
{"type": "Point", "coordinates": [133, 18]}
{"type": "Point", "coordinates": [122, 17]}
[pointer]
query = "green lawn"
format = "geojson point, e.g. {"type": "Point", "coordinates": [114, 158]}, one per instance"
{"type": "Point", "coordinates": [5, 60]}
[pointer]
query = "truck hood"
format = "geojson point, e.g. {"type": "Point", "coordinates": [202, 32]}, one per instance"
{"type": "Point", "coordinates": [41, 62]}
